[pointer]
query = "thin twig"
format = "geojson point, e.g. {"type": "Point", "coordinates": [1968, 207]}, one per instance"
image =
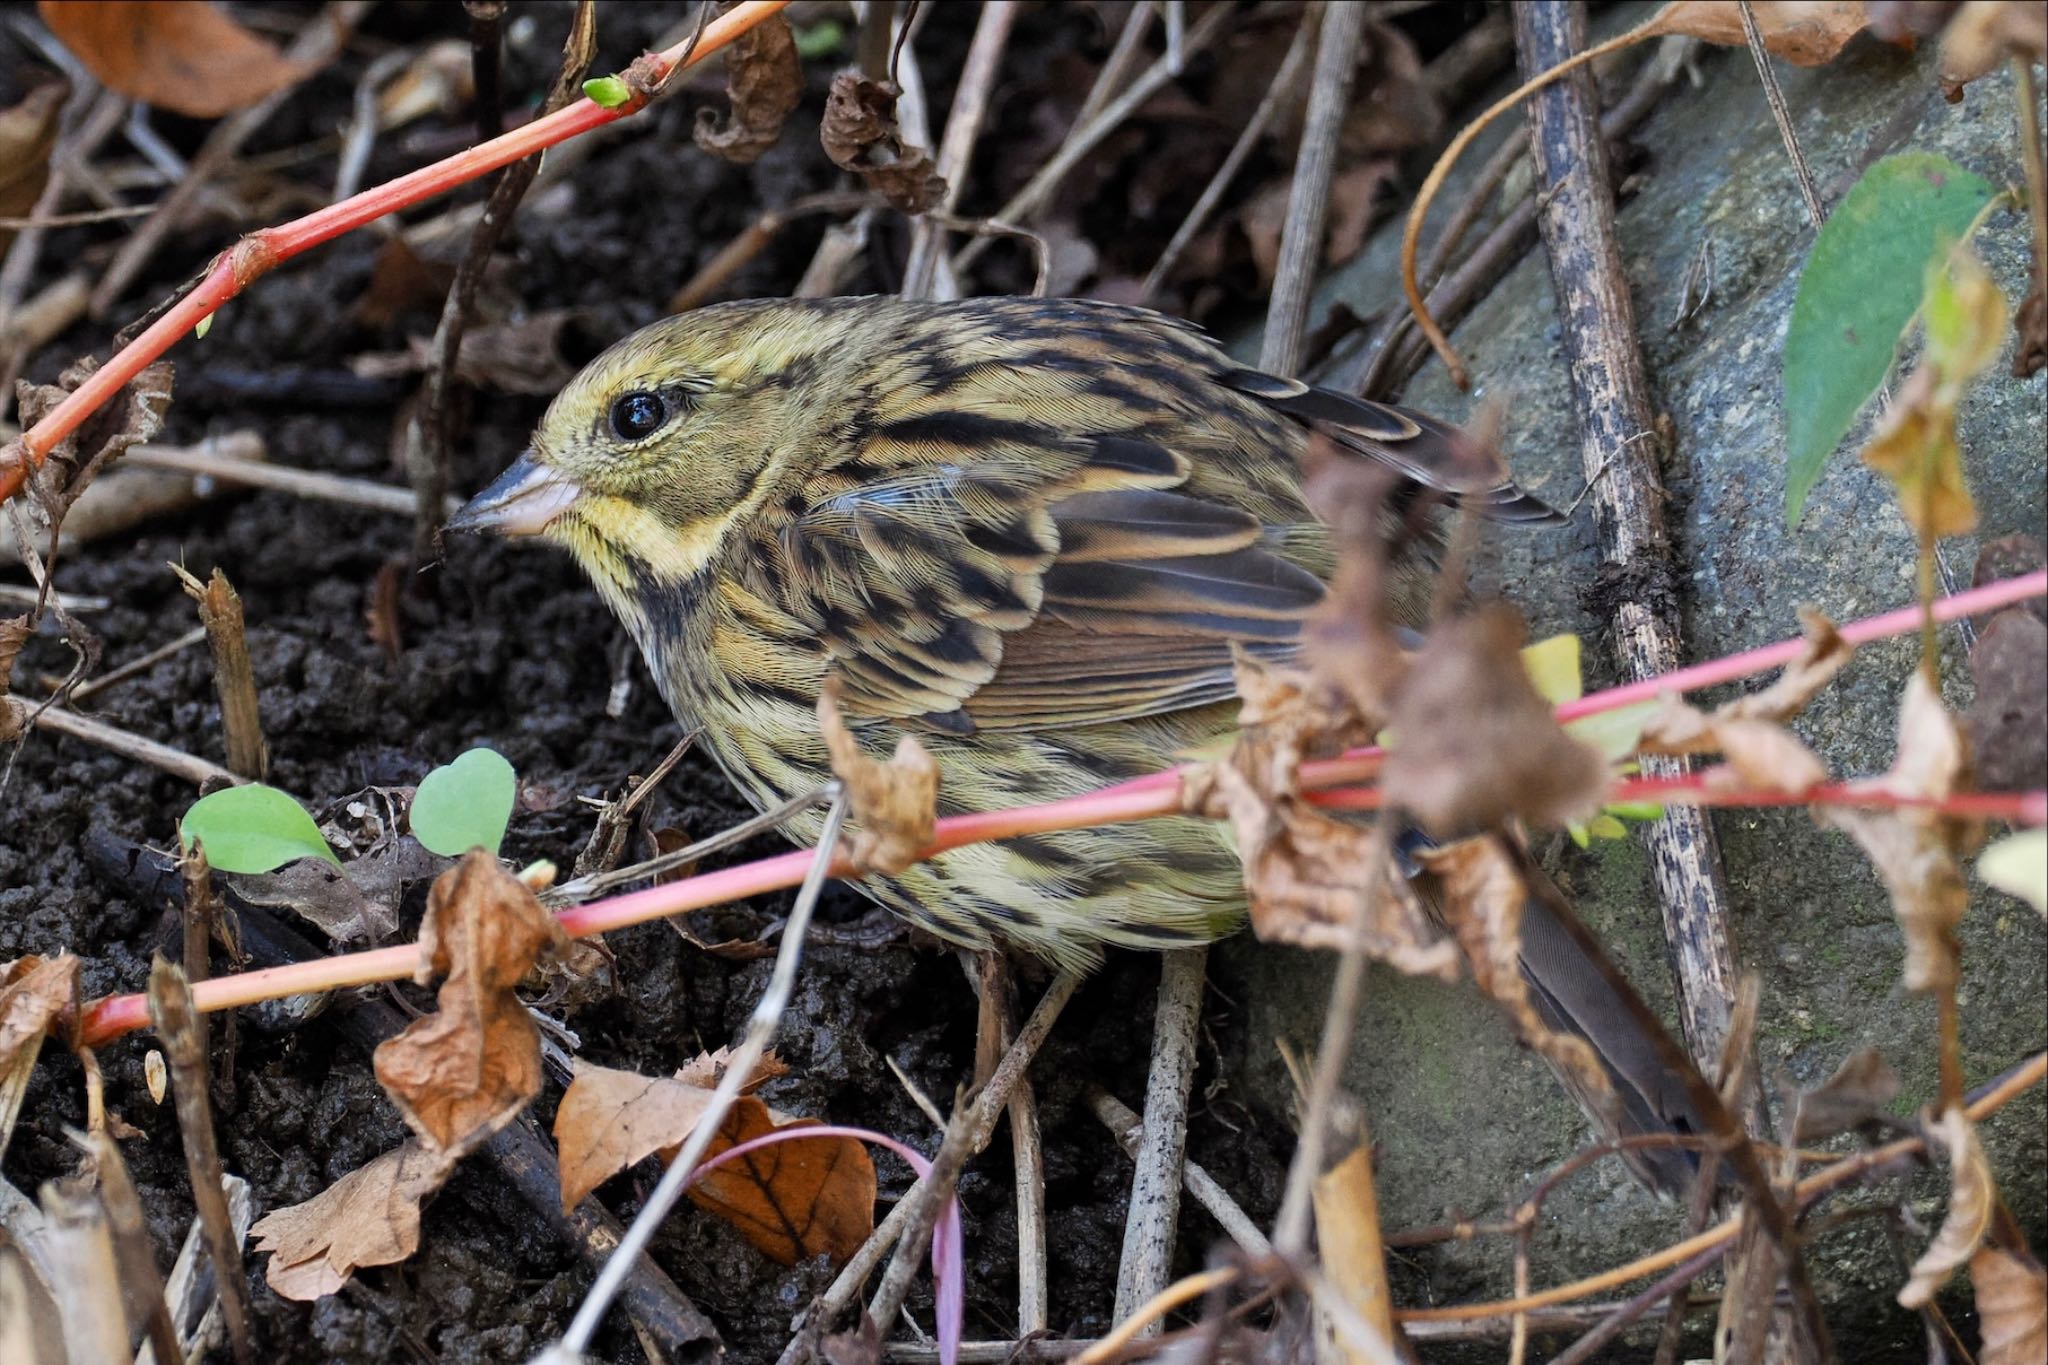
{"type": "Point", "coordinates": [1284, 87]}
{"type": "Point", "coordinates": [127, 744]}
{"type": "Point", "coordinates": [316, 43]}
{"type": "Point", "coordinates": [1308, 194]}
{"type": "Point", "coordinates": [761, 1026]}
{"type": "Point", "coordinates": [234, 681]}
{"type": "Point", "coordinates": [140, 664]}
{"type": "Point", "coordinates": [1781, 113]}
{"type": "Point", "coordinates": [740, 252]}
{"type": "Point", "coordinates": [970, 108]}
{"type": "Point", "coordinates": [1118, 65]}
{"type": "Point", "coordinates": [1128, 1128]}
{"type": "Point", "coordinates": [1087, 136]}
{"type": "Point", "coordinates": [1153, 1214]}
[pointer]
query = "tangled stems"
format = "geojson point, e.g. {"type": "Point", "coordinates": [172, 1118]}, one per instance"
{"type": "Point", "coordinates": [262, 251]}
{"type": "Point", "coordinates": [1141, 799]}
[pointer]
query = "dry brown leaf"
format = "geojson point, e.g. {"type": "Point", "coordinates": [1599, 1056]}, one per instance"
{"type": "Point", "coordinates": [371, 1216]}
{"type": "Point", "coordinates": [859, 133]}
{"type": "Point", "coordinates": [895, 804]}
{"type": "Point", "coordinates": [2030, 324]}
{"type": "Point", "coordinates": [38, 996]}
{"type": "Point", "coordinates": [1761, 753]}
{"type": "Point", "coordinates": [465, 1071]}
{"type": "Point", "coordinates": [1483, 895]}
{"type": "Point", "coordinates": [1475, 744]}
{"type": "Point", "coordinates": [1765, 756]}
{"type": "Point", "coordinates": [1803, 32]}
{"type": "Point", "coordinates": [27, 133]}
{"type": "Point", "coordinates": [1826, 654]}
{"type": "Point", "coordinates": [402, 280]}
{"type": "Point", "coordinates": [707, 1069]}
{"type": "Point", "coordinates": [2012, 1307]}
{"type": "Point", "coordinates": [793, 1200]}
{"type": "Point", "coordinates": [1971, 1199]}
{"type": "Point", "coordinates": [1860, 1092]}
{"type": "Point", "coordinates": [1915, 850]}
{"type": "Point", "coordinates": [1986, 32]}
{"type": "Point", "coordinates": [175, 54]}
{"type": "Point", "coordinates": [1915, 447]}
{"type": "Point", "coordinates": [764, 79]}
{"type": "Point", "coordinates": [14, 633]}
{"type": "Point", "coordinates": [1305, 872]}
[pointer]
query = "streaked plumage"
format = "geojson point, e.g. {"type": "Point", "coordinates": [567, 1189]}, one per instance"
{"type": "Point", "coordinates": [1030, 530]}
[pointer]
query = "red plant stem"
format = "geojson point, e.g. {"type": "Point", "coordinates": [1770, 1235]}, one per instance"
{"type": "Point", "coordinates": [262, 251]}
{"type": "Point", "coordinates": [1141, 799]}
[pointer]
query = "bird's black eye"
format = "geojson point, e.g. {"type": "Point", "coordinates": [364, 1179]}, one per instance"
{"type": "Point", "coordinates": [638, 415]}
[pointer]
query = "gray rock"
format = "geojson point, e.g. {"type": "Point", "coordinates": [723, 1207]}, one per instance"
{"type": "Point", "coordinates": [1464, 1120]}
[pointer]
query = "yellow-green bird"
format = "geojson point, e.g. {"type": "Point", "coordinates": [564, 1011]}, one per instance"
{"type": "Point", "coordinates": [1029, 530]}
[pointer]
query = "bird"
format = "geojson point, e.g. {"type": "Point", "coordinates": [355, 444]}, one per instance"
{"type": "Point", "coordinates": [1031, 531]}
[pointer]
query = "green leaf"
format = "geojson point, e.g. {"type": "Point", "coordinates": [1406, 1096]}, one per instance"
{"type": "Point", "coordinates": [821, 39]}
{"type": "Point", "coordinates": [1553, 666]}
{"type": "Point", "coordinates": [1614, 733]}
{"type": "Point", "coordinates": [1859, 290]}
{"type": "Point", "coordinates": [252, 829]}
{"type": "Point", "coordinates": [465, 804]}
{"type": "Point", "coordinates": [1637, 810]}
{"type": "Point", "coordinates": [607, 92]}
{"type": "Point", "coordinates": [2018, 866]}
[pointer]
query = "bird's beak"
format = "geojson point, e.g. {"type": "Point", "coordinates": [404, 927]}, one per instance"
{"type": "Point", "coordinates": [519, 502]}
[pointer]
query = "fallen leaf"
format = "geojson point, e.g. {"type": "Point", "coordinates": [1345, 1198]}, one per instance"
{"type": "Point", "coordinates": [793, 1200]}
{"type": "Point", "coordinates": [1971, 1200]}
{"type": "Point", "coordinates": [707, 1069]}
{"type": "Point", "coordinates": [1985, 33]}
{"type": "Point", "coordinates": [2012, 1307]}
{"type": "Point", "coordinates": [72, 462]}
{"type": "Point", "coordinates": [894, 803]}
{"type": "Point", "coordinates": [1859, 1093]}
{"type": "Point", "coordinates": [402, 280]}
{"type": "Point", "coordinates": [2030, 324]}
{"type": "Point", "coordinates": [325, 896]}
{"type": "Point", "coordinates": [1803, 32]}
{"type": "Point", "coordinates": [1915, 850]}
{"type": "Point", "coordinates": [764, 79]}
{"type": "Point", "coordinates": [1483, 896]}
{"type": "Point", "coordinates": [860, 1344]}
{"type": "Point", "coordinates": [860, 134]}
{"type": "Point", "coordinates": [1475, 744]}
{"type": "Point", "coordinates": [371, 1216]}
{"type": "Point", "coordinates": [2008, 722]}
{"type": "Point", "coordinates": [28, 131]}
{"type": "Point", "coordinates": [188, 58]}
{"type": "Point", "coordinates": [14, 633]}
{"type": "Point", "coordinates": [36, 993]}
{"type": "Point", "coordinates": [465, 1071]}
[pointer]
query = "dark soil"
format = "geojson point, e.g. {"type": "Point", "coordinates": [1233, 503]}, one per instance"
{"type": "Point", "coordinates": [507, 647]}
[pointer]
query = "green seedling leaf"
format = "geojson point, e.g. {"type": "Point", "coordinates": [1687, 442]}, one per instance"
{"type": "Point", "coordinates": [1554, 668]}
{"type": "Point", "coordinates": [252, 829]}
{"type": "Point", "coordinates": [821, 39]}
{"type": "Point", "coordinates": [1860, 289]}
{"type": "Point", "coordinates": [2018, 866]}
{"type": "Point", "coordinates": [607, 92]}
{"type": "Point", "coordinates": [465, 804]}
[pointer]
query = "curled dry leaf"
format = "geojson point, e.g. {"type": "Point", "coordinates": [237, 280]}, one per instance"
{"type": "Point", "coordinates": [764, 79]}
{"type": "Point", "coordinates": [371, 1216]}
{"type": "Point", "coordinates": [793, 1200]}
{"type": "Point", "coordinates": [2030, 324]}
{"type": "Point", "coordinates": [1915, 850]}
{"type": "Point", "coordinates": [37, 994]}
{"type": "Point", "coordinates": [1859, 1093]}
{"type": "Point", "coordinates": [74, 460]}
{"type": "Point", "coordinates": [2012, 1307]}
{"type": "Point", "coordinates": [895, 804]}
{"type": "Point", "coordinates": [189, 58]}
{"type": "Point", "coordinates": [1986, 32]}
{"type": "Point", "coordinates": [860, 134]}
{"type": "Point", "coordinates": [1475, 744]}
{"type": "Point", "coordinates": [14, 633]}
{"type": "Point", "coordinates": [1803, 32]}
{"type": "Point", "coordinates": [1761, 753]}
{"type": "Point", "coordinates": [1483, 898]}
{"type": "Point", "coordinates": [1971, 1199]}
{"type": "Point", "coordinates": [465, 1071]}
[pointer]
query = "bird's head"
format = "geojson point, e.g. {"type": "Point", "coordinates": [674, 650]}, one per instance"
{"type": "Point", "coordinates": [660, 447]}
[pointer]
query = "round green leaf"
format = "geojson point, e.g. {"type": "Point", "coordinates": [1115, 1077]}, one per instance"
{"type": "Point", "coordinates": [465, 804]}
{"type": "Point", "coordinates": [1859, 290]}
{"type": "Point", "coordinates": [252, 829]}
